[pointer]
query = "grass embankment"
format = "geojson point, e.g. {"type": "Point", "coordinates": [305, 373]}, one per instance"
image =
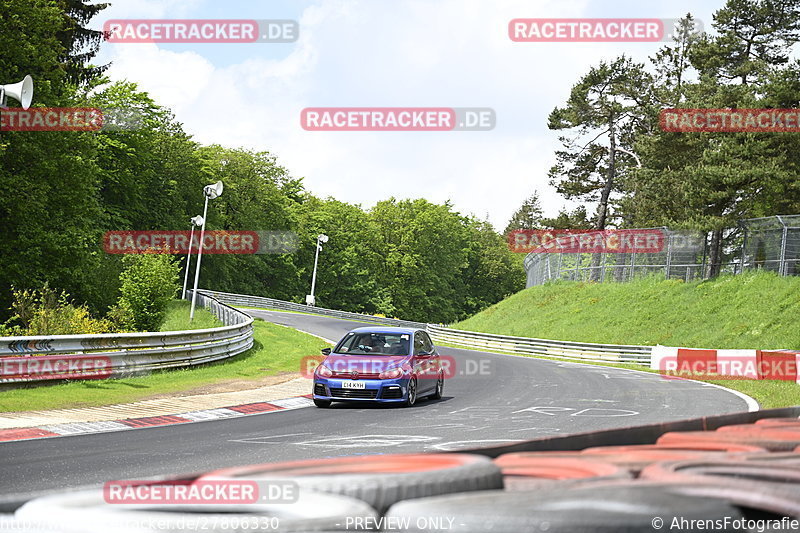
{"type": "Point", "coordinates": [277, 349]}
{"type": "Point", "coordinates": [751, 311]}
{"type": "Point", "coordinates": [177, 318]}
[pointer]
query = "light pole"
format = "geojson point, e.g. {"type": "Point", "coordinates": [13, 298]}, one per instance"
{"type": "Point", "coordinates": [196, 221]}
{"type": "Point", "coordinates": [210, 192]}
{"type": "Point", "coordinates": [321, 238]}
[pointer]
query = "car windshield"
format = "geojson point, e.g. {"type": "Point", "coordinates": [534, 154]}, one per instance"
{"type": "Point", "coordinates": [375, 344]}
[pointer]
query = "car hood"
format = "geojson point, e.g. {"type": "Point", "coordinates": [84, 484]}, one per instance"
{"type": "Point", "coordinates": [364, 364]}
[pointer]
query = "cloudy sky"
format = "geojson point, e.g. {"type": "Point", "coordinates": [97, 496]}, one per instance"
{"type": "Point", "coordinates": [384, 53]}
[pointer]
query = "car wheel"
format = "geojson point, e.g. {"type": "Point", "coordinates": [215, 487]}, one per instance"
{"type": "Point", "coordinates": [322, 403]}
{"type": "Point", "coordinates": [411, 392]}
{"type": "Point", "coordinates": [437, 395]}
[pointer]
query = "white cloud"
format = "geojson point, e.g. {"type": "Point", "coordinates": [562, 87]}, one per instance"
{"type": "Point", "coordinates": [366, 53]}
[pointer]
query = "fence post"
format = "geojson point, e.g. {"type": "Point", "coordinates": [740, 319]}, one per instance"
{"type": "Point", "coordinates": [744, 247]}
{"type": "Point", "coordinates": [633, 265]}
{"type": "Point", "coordinates": [669, 254]}
{"type": "Point", "coordinates": [784, 236]}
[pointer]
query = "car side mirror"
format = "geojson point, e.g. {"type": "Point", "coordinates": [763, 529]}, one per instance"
{"type": "Point", "coordinates": [326, 351]}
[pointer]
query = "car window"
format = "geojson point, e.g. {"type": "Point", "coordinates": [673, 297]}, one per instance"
{"type": "Point", "coordinates": [419, 345]}
{"type": "Point", "coordinates": [374, 343]}
{"type": "Point", "coordinates": [426, 342]}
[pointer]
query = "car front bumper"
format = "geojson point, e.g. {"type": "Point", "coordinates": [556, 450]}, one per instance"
{"type": "Point", "coordinates": [375, 390]}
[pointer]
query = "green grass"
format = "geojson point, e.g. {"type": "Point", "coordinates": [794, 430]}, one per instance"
{"type": "Point", "coordinates": [752, 311]}
{"type": "Point", "coordinates": [177, 318]}
{"type": "Point", "coordinates": [276, 349]}
{"type": "Point", "coordinates": [768, 394]}
{"type": "Point", "coordinates": [755, 311]}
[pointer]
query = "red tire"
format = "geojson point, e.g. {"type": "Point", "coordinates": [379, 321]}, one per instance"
{"type": "Point", "coordinates": [710, 446]}
{"type": "Point", "coordinates": [535, 470]}
{"type": "Point", "coordinates": [771, 440]}
{"type": "Point", "coordinates": [753, 428]}
{"type": "Point", "coordinates": [380, 480]}
{"type": "Point", "coordinates": [635, 458]}
{"type": "Point", "coordinates": [778, 422]}
{"type": "Point", "coordinates": [561, 468]}
{"type": "Point", "coordinates": [767, 472]}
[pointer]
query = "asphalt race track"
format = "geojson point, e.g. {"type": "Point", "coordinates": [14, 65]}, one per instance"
{"type": "Point", "coordinates": [492, 399]}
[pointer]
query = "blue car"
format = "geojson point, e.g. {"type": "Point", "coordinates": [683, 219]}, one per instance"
{"type": "Point", "coordinates": [379, 364]}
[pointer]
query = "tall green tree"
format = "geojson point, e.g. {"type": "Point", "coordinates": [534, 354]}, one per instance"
{"type": "Point", "coordinates": [528, 216]}
{"type": "Point", "coordinates": [601, 115]}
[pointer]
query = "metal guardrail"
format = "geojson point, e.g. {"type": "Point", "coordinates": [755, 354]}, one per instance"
{"type": "Point", "coordinates": [270, 303]}
{"type": "Point", "coordinates": [96, 356]}
{"type": "Point", "coordinates": [611, 353]}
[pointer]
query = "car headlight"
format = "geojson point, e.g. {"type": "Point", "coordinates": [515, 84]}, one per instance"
{"type": "Point", "coordinates": [324, 372]}
{"type": "Point", "coordinates": [391, 374]}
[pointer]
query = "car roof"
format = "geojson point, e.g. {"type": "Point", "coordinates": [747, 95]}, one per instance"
{"type": "Point", "coordinates": [384, 329]}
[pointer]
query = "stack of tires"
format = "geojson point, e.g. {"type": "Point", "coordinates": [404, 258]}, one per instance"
{"type": "Point", "coordinates": [723, 480]}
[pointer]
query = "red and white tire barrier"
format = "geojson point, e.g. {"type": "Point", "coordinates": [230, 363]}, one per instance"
{"type": "Point", "coordinates": [735, 364]}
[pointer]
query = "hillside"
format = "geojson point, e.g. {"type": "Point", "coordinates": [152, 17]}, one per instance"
{"type": "Point", "coordinates": [755, 310]}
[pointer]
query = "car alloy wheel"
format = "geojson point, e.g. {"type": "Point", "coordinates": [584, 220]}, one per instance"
{"type": "Point", "coordinates": [411, 392]}
{"type": "Point", "coordinates": [439, 387]}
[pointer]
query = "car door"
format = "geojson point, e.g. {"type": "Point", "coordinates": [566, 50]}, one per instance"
{"type": "Point", "coordinates": [423, 354]}
{"type": "Point", "coordinates": [435, 362]}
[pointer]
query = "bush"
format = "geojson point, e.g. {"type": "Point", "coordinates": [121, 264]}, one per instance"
{"type": "Point", "coordinates": [149, 282]}
{"type": "Point", "coordinates": [120, 317]}
{"type": "Point", "coordinates": [49, 312]}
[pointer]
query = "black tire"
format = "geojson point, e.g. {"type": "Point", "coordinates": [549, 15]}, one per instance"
{"type": "Point", "coordinates": [627, 508]}
{"type": "Point", "coordinates": [437, 394]}
{"type": "Point", "coordinates": [380, 480]}
{"type": "Point", "coordinates": [411, 392]}
{"type": "Point", "coordinates": [322, 403]}
{"type": "Point", "coordinates": [312, 511]}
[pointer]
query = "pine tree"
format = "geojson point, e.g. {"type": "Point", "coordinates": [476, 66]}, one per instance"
{"type": "Point", "coordinates": [528, 216]}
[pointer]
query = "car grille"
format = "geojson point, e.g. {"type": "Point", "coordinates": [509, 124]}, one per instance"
{"type": "Point", "coordinates": [319, 389]}
{"type": "Point", "coordinates": [394, 393]}
{"type": "Point", "coordinates": [361, 375]}
{"type": "Point", "coordinates": [369, 394]}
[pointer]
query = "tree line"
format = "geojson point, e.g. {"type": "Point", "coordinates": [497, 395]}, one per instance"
{"type": "Point", "coordinates": [60, 191]}
{"type": "Point", "coordinates": [614, 155]}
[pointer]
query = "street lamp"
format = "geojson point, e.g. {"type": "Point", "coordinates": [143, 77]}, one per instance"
{"type": "Point", "coordinates": [321, 239]}
{"type": "Point", "coordinates": [210, 192]}
{"type": "Point", "coordinates": [196, 221]}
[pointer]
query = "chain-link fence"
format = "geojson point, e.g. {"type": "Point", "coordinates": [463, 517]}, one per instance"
{"type": "Point", "coordinates": [771, 243]}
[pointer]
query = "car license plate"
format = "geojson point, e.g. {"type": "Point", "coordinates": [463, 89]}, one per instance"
{"type": "Point", "coordinates": [354, 385]}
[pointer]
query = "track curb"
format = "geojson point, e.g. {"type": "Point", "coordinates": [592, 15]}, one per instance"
{"type": "Point", "coordinates": [84, 428]}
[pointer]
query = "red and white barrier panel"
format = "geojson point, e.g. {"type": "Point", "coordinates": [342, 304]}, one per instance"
{"type": "Point", "coordinates": [733, 364]}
